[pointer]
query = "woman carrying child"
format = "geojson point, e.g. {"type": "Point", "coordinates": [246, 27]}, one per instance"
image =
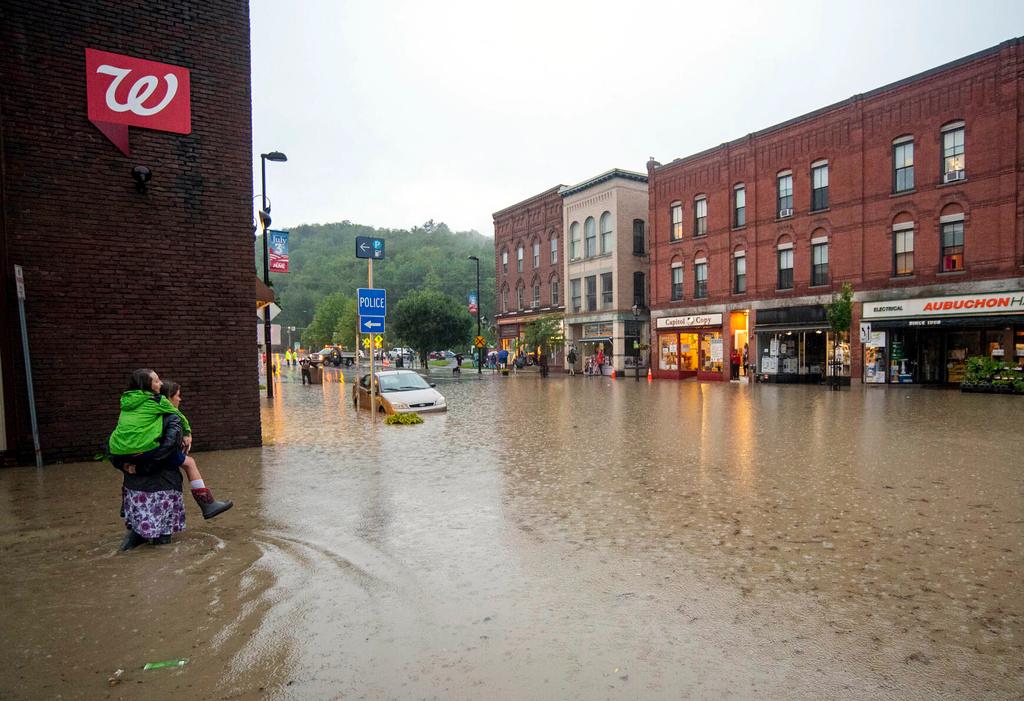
{"type": "Point", "coordinates": [149, 445]}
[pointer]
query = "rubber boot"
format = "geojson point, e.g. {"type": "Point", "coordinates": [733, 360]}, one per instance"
{"type": "Point", "coordinates": [132, 540]}
{"type": "Point", "coordinates": [161, 540]}
{"type": "Point", "coordinates": [208, 504]}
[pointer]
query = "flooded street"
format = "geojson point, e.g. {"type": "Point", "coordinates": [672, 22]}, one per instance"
{"type": "Point", "coordinates": [568, 538]}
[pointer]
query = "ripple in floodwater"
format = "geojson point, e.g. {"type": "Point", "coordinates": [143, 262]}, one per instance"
{"type": "Point", "coordinates": [585, 538]}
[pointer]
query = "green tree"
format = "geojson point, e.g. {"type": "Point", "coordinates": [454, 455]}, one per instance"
{"type": "Point", "coordinates": [429, 320]}
{"type": "Point", "coordinates": [840, 313]}
{"type": "Point", "coordinates": [544, 333]}
{"type": "Point", "coordinates": [327, 325]}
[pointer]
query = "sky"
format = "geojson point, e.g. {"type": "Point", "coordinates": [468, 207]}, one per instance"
{"type": "Point", "coordinates": [395, 113]}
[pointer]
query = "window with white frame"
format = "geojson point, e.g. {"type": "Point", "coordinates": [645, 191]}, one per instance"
{"type": "Point", "coordinates": [504, 262]}
{"type": "Point", "coordinates": [739, 272]}
{"type": "Point", "coordinates": [554, 250]}
{"type": "Point", "coordinates": [785, 267]}
{"type": "Point", "coordinates": [520, 294]}
{"type": "Point", "coordinates": [519, 259]}
{"type": "Point", "coordinates": [574, 292]}
{"type": "Point", "coordinates": [536, 254]}
{"type": "Point", "coordinates": [952, 242]}
{"type": "Point", "coordinates": [819, 185]}
{"type": "Point", "coordinates": [606, 232]}
{"type": "Point", "coordinates": [953, 151]}
{"type": "Point", "coordinates": [536, 294]}
{"type": "Point", "coordinates": [700, 216]}
{"type": "Point", "coordinates": [676, 233]}
{"type": "Point", "coordinates": [903, 164]}
{"type": "Point", "coordinates": [819, 261]}
{"type": "Point", "coordinates": [784, 197]}
{"type": "Point", "coordinates": [739, 206]}
{"type": "Point", "coordinates": [607, 298]}
{"type": "Point", "coordinates": [700, 278]}
{"type": "Point", "coordinates": [504, 299]}
{"type": "Point", "coordinates": [903, 248]}
{"type": "Point", "coordinates": [589, 238]}
{"type": "Point", "coordinates": [574, 241]}
{"type": "Point", "coordinates": [591, 283]}
{"type": "Point", "coordinates": [677, 281]}
{"type": "Point", "coordinates": [554, 292]}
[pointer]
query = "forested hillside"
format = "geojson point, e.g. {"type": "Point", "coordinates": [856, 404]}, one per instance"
{"type": "Point", "coordinates": [428, 257]}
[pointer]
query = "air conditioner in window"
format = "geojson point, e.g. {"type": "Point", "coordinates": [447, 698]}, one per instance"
{"type": "Point", "coordinates": [953, 176]}
{"type": "Point", "coordinates": [785, 213]}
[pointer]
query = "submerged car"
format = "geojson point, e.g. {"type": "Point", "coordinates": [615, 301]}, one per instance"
{"type": "Point", "coordinates": [398, 392]}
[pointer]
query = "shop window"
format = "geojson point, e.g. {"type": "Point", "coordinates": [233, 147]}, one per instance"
{"type": "Point", "coordinates": [700, 216]}
{"type": "Point", "coordinates": [574, 291]}
{"type": "Point", "coordinates": [819, 185]}
{"type": "Point", "coordinates": [710, 356]}
{"type": "Point", "coordinates": [554, 292]}
{"type": "Point", "coordinates": [819, 263]}
{"type": "Point", "coordinates": [554, 251]}
{"type": "Point", "coordinates": [739, 206]}
{"type": "Point", "coordinates": [903, 164]}
{"type": "Point", "coordinates": [504, 262]}
{"type": "Point", "coordinates": [668, 351]}
{"type": "Point", "coordinates": [677, 282]}
{"type": "Point", "coordinates": [606, 232]}
{"type": "Point", "coordinates": [519, 259]}
{"type": "Point", "coordinates": [785, 265]}
{"type": "Point", "coordinates": [739, 274]}
{"type": "Point", "coordinates": [952, 246]}
{"type": "Point", "coordinates": [677, 222]}
{"type": "Point", "coordinates": [700, 279]}
{"type": "Point", "coordinates": [784, 196]}
{"type": "Point", "coordinates": [953, 167]}
{"type": "Point", "coordinates": [536, 254]}
{"type": "Point", "coordinates": [591, 283]}
{"type": "Point", "coordinates": [606, 291]}
{"type": "Point", "coordinates": [640, 289]}
{"type": "Point", "coordinates": [574, 241]}
{"type": "Point", "coordinates": [639, 239]}
{"type": "Point", "coordinates": [589, 238]}
{"type": "Point", "coordinates": [903, 249]}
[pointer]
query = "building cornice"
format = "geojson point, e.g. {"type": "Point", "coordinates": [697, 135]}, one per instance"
{"type": "Point", "coordinates": [529, 200]}
{"type": "Point", "coordinates": [603, 177]}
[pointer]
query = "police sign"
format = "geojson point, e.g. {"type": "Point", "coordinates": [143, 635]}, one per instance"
{"type": "Point", "coordinates": [372, 301]}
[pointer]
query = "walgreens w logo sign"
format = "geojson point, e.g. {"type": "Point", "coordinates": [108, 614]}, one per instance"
{"type": "Point", "coordinates": [131, 92]}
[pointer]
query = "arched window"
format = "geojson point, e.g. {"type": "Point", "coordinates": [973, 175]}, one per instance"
{"type": "Point", "coordinates": [676, 216]}
{"type": "Point", "coordinates": [700, 275]}
{"type": "Point", "coordinates": [903, 244]}
{"type": "Point", "coordinates": [520, 296]}
{"type": "Point", "coordinates": [739, 271]}
{"type": "Point", "coordinates": [784, 262]}
{"type": "Point", "coordinates": [554, 250]}
{"type": "Point", "coordinates": [639, 238]}
{"type": "Point", "coordinates": [504, 299]}
{"type": "Point", "coordinates": [953, 163]}
{"type": "Point", "coordinates": [606, 232]}
{"type": "Point", "coordinates": [574, 240]}
{"type": "Point", "coordinates": [819, 257]}
{"type": "Point", "coordinates": [700, 215]}
{"type": "Point", "coordinates": [535, 302]}
{"type": "Point", "coordinates": [676, 272]}
{"type": "Point", "coordinates": [553, 284]}
{"type": "Point", "coordinates": [536, 253]}
{"type": "Point", "coordinates": [504, 261]}
{"type": "Point", "coordinates": [903, 164]}
{"type": "Point", "coordinates": [951, 227]}
{"type": "Point", "coordinates": [589, 238]}
{"type": "Point", "coordinates": [519, 258]}
{"type": "Point", "coordinates": [739, 205]}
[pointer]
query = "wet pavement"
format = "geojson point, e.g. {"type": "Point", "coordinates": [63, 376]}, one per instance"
{"type": "Point", "coordinates": [548, 539]}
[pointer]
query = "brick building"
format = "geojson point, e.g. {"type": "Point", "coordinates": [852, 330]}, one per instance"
{"type": "Point", "coordinates": [121, 276]}
{"type": "Point", "coordinates": [528, 267]}
{"type": "Point", "coordinates": [911, 193]}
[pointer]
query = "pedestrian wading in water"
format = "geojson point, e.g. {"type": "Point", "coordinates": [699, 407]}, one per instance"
{"type": "Point", "coordinates": [150, 446]}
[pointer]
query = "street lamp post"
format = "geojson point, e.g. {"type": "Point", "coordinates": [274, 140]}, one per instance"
{"type": "Point", "coordinates": [279, 157]}
{"type": "Point", "coordinates": [636, 342]}
{"type": "Point", "coordinates": [479, 351]}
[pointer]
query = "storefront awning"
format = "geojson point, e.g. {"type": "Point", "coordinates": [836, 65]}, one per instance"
{"type": "Point", "coordinates": [595, 339]}
{"type": "Point", "coordinates": [948, 322]}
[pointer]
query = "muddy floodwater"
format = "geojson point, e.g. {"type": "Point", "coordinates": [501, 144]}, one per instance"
{"type": "Point", "coordinates": [568, 538]}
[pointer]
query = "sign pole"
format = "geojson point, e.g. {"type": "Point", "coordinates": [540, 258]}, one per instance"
{"type": "Point", "coordinates": [20, 282]}
{"type": "Point", "coordinates": [373, 378]}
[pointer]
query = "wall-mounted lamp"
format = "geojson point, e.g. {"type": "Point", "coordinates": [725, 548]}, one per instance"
{"type": "Point", "coordinates": [141, 175]}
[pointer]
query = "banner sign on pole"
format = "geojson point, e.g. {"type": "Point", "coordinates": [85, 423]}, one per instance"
{"type": "Point", "coordinates": [472, 303]}
{"type": "Point", "coordinates": [278, 246]}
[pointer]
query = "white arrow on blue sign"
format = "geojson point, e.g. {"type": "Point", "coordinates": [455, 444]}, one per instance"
{"type": "Point", "coordinates": [372, 301]}
{"type": "Point", "coordinates": [371, 324]}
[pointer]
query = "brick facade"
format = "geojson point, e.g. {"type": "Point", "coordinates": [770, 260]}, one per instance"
{"type": "Point", "coordinates": [537, 220]}
{"type": "Point", "coordinates": [119, 279]}
{"type": "Point", "coordinates": [856, 139]}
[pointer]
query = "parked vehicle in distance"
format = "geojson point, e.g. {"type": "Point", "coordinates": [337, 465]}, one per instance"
{"type": "Point", "coordinates": [398, 392]}
{"type": "Point", "coordinates": [332, 355]}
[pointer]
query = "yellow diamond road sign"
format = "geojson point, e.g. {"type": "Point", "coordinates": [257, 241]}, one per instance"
{"type": "Point", "coordinates": [366, 341]}
{"type": "Point", "coordinates": [378, 341]}
{"type": "Point", "coordinates": [480, 342]}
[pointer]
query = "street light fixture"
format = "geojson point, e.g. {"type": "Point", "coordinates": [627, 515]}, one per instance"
{"type": "Point", "coordinates": [277, 157]}
{"type": "Point", "coordinates": [479, 351]}
{"type": "Point", "coordinates": [636, 342]}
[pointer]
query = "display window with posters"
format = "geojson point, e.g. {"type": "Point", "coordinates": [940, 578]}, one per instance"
{"type": "Point", "coordinates": [691, 346]}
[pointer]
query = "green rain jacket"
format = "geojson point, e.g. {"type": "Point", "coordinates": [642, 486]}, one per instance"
{"type": "Point", "coordinates": [141, 424]}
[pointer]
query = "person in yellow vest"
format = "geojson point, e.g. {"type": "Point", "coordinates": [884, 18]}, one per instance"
{"type": "Point", "coordinates": [288, 357]}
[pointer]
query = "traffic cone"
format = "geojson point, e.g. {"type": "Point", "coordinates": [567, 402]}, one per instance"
{"type": "Point", "coordinates": [613, 373]}
{"type": "Point", "coordinates": [650, 377]}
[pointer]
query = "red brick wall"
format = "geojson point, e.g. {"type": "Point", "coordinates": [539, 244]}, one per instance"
{"type": "Point", "coordinates": [856, 138]}
{"type": "Point", "coordinates": [536, 219]}
{"type": "Point", "coordinates": [118, 279]}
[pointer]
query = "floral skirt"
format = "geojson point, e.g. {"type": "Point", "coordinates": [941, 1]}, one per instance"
{"type": "Point", "coordinates": [153, 514]}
